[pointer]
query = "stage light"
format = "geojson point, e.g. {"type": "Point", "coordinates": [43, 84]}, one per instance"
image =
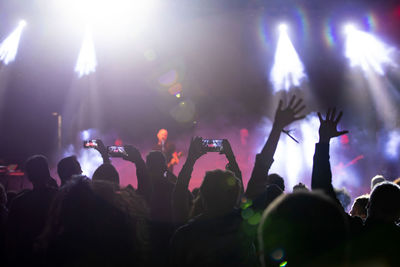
{"type": "Point", "coordinates": [367, 51]}
{"type": "Point", "coordinates": [283, 28]}
{"type": "Point", "coordinates": [288, 70]}
{"type": "Point", "coordinates": [9, 47]}
{"type": "Point", "coordinates": [86, 62]}
{"type": "Point", "coordinates": [110, 18]}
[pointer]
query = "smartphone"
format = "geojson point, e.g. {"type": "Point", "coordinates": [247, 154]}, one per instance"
{"type": "Point", "coordinates": [212, 145]}
{"type": "Point", "coordinates": [90, 143]}
{"type": "Point", "coordinates": [116, 151]}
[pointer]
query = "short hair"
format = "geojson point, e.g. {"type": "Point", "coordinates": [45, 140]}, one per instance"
{"type": "Point", "coordinates": [106, 172]}
{"type": "Point", "coordinates": [300, 187]}
{"type": "Point", "coordinates": [303, 229]}
{"type": "Point", "coordinates": [277, 180]}
{"type": "Point", "coordinates": [359, 207]}
{"type": "Point", "coordinates": [384, 202]}
{"type": "Point", "coordinates": [37, 169]}
{"type": "Point", "coordinates": [67, 167]}
{"type": "Point", "coordinates": [220, 190]}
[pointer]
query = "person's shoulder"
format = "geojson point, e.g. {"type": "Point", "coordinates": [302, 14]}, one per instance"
{"type": "Point", "coordinates": [25, 193]}
{"type": "Point", "coordinates": [186, 229]}
{"type": "Point", "coordinates": [21, 198]}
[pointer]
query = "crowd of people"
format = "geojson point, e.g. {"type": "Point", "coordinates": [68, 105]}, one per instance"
{"type": "Point", "coordinates": [96, 222]}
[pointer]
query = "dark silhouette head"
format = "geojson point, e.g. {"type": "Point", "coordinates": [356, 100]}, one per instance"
{"type": "Point", "coordinates": [303, 229]}
{"type": "Point", "coordinates": [156, 163]}
{"type": "Point", "coordinates": [277, 180]}
{"type": "Point", "coordinates": [90, 230]}
{"type": "Point", "coordinates": [106, 172]}
{"type": "Point", "coordinates": [267, 197]}
{"type": "Point", "coordinates": [384, 203]}
{"type": "Point", "coordinates": [300, 187]}
{"type": "Point", "coordinates": [67, 167]}
{"type": "Point", "coordinates": [37, 170]}
{"type": "Point", "coordinates": [220, 192]}
{"type": "Point", "coordinates": [359, 207]}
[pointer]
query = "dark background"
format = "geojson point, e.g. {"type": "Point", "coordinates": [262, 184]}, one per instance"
{"type": "Point", "coordinates": [216, 47]}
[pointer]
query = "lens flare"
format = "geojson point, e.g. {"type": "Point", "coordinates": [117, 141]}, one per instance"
{"type": "Point", "coordinates": [87, 61]}
{"type": "Point", "coordinates": [288, 70]}
{"type": "Point", "coordinates": [9, 47]}
{"type": "Point", "coordinates": [366, 51]}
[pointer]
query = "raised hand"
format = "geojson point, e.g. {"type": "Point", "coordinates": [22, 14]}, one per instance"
{"type": "Point", "coordinates": [328, 127]}
{"type": "Point", "coordinates": [133, 154]}
{"type": "Point", "coordinates": [227, 149]}
{"type": "Point", "coordinates": [285, 116]}
{"type": "Point", "coordinates": [101, 147]}
{"type": "Point", "coordinates": [196, 149]}
{"type": "Point", "coordinates": [102, 150]}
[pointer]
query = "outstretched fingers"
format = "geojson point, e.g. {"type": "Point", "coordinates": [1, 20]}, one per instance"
{"type": "Point", "coordinates": [339, 117]}
{"type": "Point", "coordinates": [300, 109]}
{"type": "Point", "coordinates": [298, 103]}
{"type": "Point", "coordinates": [280, 104]}
{"type": "Point", "coordinates": [299, 118]}
{"type": "Point", "coordinates": [332, 118]}
{"type": "Point", "coordinates": [292, 101]}
{"type": "Point", "coordinates": [320, 117]}
{"type": "Point", "coordinates": [328, 114]}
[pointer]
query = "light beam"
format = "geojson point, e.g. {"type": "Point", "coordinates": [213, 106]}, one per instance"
{"type": "Point", "coordinates": [87, 61]}
{"type": "Point", "coordinates": [288, 70]}
{"type": "Point", "coordinates": [9, 47]}
{"type": "Point", "coordinates": [366, 51]}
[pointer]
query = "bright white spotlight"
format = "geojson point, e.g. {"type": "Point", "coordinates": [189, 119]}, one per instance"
{"type": "Point", "coordinates": [366, 51]}
{"type": "Point", "coordinates": [87, 62]}
{"type": "Point", "coordinates": [282, 28]}
{"type": "Point", "coordinates": [288, 70]}
{"type": "Point", "coordinates": [9, 47]}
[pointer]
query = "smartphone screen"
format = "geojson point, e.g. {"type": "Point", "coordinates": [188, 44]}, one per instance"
{"type": "Point", "coordinates": [116, 151]}
{"type": "Point", "coordinates": [90, 143]}
{"type": "Point", "coordinates": [212, 145]}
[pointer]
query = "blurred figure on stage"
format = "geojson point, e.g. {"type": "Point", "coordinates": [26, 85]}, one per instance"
{"type": "Point", "coordinates": [168, 149]}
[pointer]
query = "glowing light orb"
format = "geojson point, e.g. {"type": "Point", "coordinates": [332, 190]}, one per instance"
{"type": "Point", "coordinates": [87, 61]}
{"type": "Point", "coordinates": [9, 47]}
{"type": "Point", "coordinates": [288, 70]}
{"type": "Point", "coordinates": [366, 51]}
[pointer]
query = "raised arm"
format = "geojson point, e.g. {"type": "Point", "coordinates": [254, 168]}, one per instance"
{"type": "Point", "coordinates": [103, 151]}
{"type": "Point", "coordinates": [180, 197]}
{"type": "Point", "coordinates": [232, 164]}
{"type": "Point", "coordinates": [321, 174]}
{"type": "Point", "coordinates": [143, 181]}
{"type": "Point", "coordinates": [283, 117]}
